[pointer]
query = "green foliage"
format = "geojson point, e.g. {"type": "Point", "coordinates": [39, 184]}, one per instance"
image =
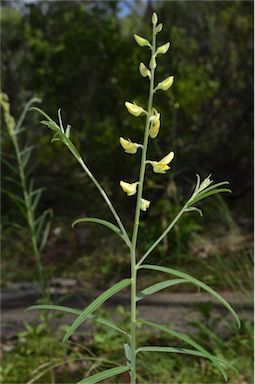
{"type": "Point", "coordinates": [31, 353]}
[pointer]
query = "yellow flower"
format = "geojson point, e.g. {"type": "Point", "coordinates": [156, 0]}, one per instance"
{"type": "Point", "coordinates": [134, 109]}
{"type": "Point", "coordinates": [155, 124]}
{"type": "Point", "coordinates": [145, 204]}
{"type": "Point", "coordinates": [129, 146]}
{"type": "Point", "coordinates": [162, 165]}
{"type": "Point", "coordinates": [130, 189]}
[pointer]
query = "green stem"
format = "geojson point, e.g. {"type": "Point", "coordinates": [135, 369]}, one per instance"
{"type": "Point", "coordinates": [104, 195]}
{"type": "Point", "coordinates": [161, 237]}
{"type": "Point", "coordinates": [137, 219]}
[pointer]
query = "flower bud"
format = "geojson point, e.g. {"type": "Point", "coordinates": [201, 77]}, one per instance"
{"type": "Point", "coordinates": [154, 18]}
{"type": "Point", "coordinates": [163, 49]}
{"type": "Point", "coordinates": [159, 28]}
{"type": "Point", "coordinates": [141, 41]}
{"type": "Point", "coordinates": [155, 124]}
{"type": "Point", "coordinates": [130, 189]}
{"type": "Point", "coordinates": [165, 84]}
{"type": "Point", "coordinates": [134, 109]}
{"type": "Point", "coordinates": [128, 146]}
{"type": "Point", "coordinates": [144, 70]}
{"type": "Point", "coordinates": [145, 204]}
{"type": "Point", "coordinates": [153, 63]}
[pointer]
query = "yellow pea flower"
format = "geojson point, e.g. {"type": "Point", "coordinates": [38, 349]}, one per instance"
{"type": "Point", "coordinates": [145, 204]}
{"type": "Point", "coordinates": [162, 165]}
{"type": "Point", "coordinates": [128, 146]}
{"type": "Point", "coordinates": [134, 109]}
{"type": "Point", "coordinates": [130, 189]}
{"type": "Point", "coordinates": [155, 124]}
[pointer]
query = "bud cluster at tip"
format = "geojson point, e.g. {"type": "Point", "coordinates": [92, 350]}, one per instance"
{"type": "Point", "coordinates": [153, 116]}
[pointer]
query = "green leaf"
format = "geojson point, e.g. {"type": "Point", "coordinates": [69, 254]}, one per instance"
{"type": "Point", "coordinates": [158, 287]}
{"type": "Point", "coordinates": [194, 209]}
{"type": "Point", "coordinates": [218, 362]}
{"type": "Point", "coordinates": [185, 351]}
{"type": "Point", "coordinates": [40, 221]}
{"type": "Point", "coordinates": [37, 195]}
{"type": "Point", "coordinates": [74, 311]}
{"type": "Point", "coordinates": [196, 282]}
{"type": "Point", "coordinates": [127, 351]}
{"type": "Point", "coordinates": [214, 186]}
{"type": "Point", "coordinates": [170, 349]}
{"type": "Point", "coordinates": [55, 308]}
{"type": "Point", "coordinates": [104, 375]}
{"type": "Point", "coordinates": [25, 155]}
{"type": "Point", "coordinates": [109, 324]}
{"type": "Point", "coordinates": [206, 194]}
{"type": "Point", "coordinates": [45, 235]}
{"type": "Point", "coordinates": [44, 114]}
{"type": "Point", "coordinates": [99, 221]}
{"type": "Point", "coordinates": [18, 201]}
{"type": "Point", "coordinates": [10, 166]}
{"type": "Point", "coordinates": [94, 305]}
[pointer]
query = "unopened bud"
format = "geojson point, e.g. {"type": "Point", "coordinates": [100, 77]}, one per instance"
{"type": "Point", "coordinates": [153, 63]}
{"type": "Point", "coordinates": [163, 49]}
{"type": "Point", "coordinates": [144, 70]}
{"type": "Point", "coordinates": [165, 84]}
{"type": "Point", "coordinates": [141, 41]}
{"type": "Point", "coordinates": [159, 28]}
{"type": "Point", "coordinates": [134, 109]}
{"type": "Point", "coordinates": [154, 18]}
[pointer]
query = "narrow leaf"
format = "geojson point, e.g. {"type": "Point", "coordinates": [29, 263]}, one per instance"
{"type": "Point", "coordinates": [40, 221]}
{"type": "Point", "coordinates": [75, 311]}
{"type": "Point", "coordinates": [104, 375]}
{"type": "Point", "coordinates": [10, 166]}
{"type": "Point", "coordinates": [37, 195]}
{"type": "Point", "coordinates": [94, 305]}
{"type": "Point", "coordinates": [194, 209]}
{"type": "Point", "coordinates": [196, 282]}
{"type": "Point", "coordinates": [158, 287]}
{"type": "Point", "coordinates": [52, 307]}
{"type": "Point", "coordinates": [127, 351]}
{"type": "Point", "coordinates": [98, 221]}
{"type": "Point", "coordinates": [206, 194]}
{"type": "Point", "coordinates": [170, 349]}
{"type": "Point", "coordinates": [45, 235]}
{"type": "Point", "coordinates": [185, 351]}
{"type": "Point", "coordinates": [218, 362]}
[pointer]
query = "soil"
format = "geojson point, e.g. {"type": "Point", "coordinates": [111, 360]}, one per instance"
{"type": "Point", "coordinates": [179, 309]}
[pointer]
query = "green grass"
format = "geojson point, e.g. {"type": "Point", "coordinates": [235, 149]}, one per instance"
{"type": "Point", "coordinates": [25, 358]}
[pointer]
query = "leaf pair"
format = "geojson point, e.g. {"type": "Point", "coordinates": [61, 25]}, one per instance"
{"type": "Point", "coordinates": [87, 313]}
{"type": "Point", "coordinates": [188, 279]}
{"type": "Point", "coordinates": [198, 351]}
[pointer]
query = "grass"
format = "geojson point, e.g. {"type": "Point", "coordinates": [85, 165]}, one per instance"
{"type": "Point", "coordinates": [25, 358]}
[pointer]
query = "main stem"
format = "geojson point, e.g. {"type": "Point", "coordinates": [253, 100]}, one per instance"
{"type": "Point", "coordinates": [137, 219]}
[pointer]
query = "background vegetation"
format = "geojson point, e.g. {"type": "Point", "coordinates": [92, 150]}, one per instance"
{"type": "Point", "coordinates": [80, 56]}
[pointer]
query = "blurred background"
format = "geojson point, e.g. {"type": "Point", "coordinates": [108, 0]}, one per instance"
{"type": "Point", "coordinates": [80, 56]}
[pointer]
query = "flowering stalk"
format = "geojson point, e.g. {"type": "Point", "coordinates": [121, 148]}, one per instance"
{"type": "Point", "coordinates": [37, 226]}
{"type": "Point", "coordinates": [137, 215]}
